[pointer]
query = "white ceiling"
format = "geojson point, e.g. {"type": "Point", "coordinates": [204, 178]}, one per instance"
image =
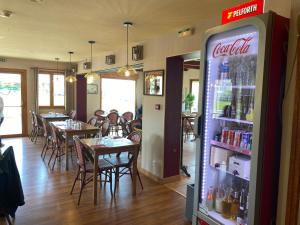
{"type": "Point", "coordinates": [54, 27]}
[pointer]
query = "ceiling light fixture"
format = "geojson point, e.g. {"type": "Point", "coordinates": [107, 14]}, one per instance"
{"type": "Point", "coordinates": [71, 78]}
{"type": "Point", "coordinates": [91, 76]}
{"type": "Point", "coordinates": [37, 1]}
{"type": "Point", "coordinates": [127, 70]}
{"type": "Point", "coordinates": [6, 13]}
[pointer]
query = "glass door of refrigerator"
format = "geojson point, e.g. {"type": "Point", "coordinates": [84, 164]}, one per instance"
{"type": "Point", "coordinates": [231, 59]}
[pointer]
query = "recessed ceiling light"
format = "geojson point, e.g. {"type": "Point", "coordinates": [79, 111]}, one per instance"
{"type": "Point", "coordinates": [6, 13]}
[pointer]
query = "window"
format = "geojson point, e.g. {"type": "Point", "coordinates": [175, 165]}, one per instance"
{"type": "Point", "coordinates": [51, 90]}
{"type": "Point", "coordinates": [118, 94]}
{"type": "Point", "coordinates": [194, 86]}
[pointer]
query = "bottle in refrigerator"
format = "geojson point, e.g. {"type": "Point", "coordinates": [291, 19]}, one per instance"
{"type": "Point", "coordinates": [219, 196]}
{"type": "Point", "coordinates": [226, 204]}
{"type": "Point", "coordinates": [242, 214]}
{"type": "Point", "coordinates": [210, 199]}
{"type": "Point", "coordinates": [235, 205]}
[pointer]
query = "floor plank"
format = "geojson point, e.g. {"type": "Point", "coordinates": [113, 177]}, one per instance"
{"type": "Point", "coordinates": [48, 201]}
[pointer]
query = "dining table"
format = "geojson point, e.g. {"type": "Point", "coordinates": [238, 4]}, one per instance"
{"type": "Point", "coordinates": [52, 116]}
{"type": "Point", "coordinates": [71, 128]}
{"type": "Point", "coordinates": [111, 145]}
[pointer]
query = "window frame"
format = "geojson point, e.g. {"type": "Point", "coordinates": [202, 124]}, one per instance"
{"type": "Point", "coordinates": [51, 74]}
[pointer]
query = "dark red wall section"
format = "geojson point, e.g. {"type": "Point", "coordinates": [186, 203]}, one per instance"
{"type": "Point", "coordinates": [174, 77]}
{"type": "Point", "coordinates": [81, 98]}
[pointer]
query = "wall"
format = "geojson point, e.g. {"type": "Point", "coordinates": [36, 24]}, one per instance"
{"type": "Point", "coordinates": [26, 64]}
{"type": "Point", "coordinates": [155, 53]}
{"type": "Point", "coordinates": [191, 74]}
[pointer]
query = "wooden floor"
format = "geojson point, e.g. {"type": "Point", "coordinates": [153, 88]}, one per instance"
{"type": "Point", "coordinates": [189, 160]}
{"type": "Point", "coordinates": [48, 201]}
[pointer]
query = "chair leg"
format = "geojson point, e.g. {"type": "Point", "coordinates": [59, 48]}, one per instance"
{"type": "Point", "coordinates": [81, 188]}
{"type": "Point", "coordinates": [138, 174]}
{"type": "Point", "coordinates": [110, 181]}
{"type": "Point", "coordinates": [51, 156]}
{"type": "Point", "coordinates": [8, 219]}
{"type": "Point", "coordinates": [116, 180]}
{"type": "Point", "coordinates": [76, 178]}
{"type": "Point", "coordinates": [130, 172]}
{"type": "Point", "coordinates": [44, 147]}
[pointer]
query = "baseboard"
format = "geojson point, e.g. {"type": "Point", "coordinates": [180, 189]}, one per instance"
{"type": "Point", "coordinates": [159, 179]}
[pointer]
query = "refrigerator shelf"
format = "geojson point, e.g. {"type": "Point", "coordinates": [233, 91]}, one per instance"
{"type": "Point", "coordinates": [226, 171]}
{"type": "Point", "coordinates": [220, 218]}
{"type": "Point", "coordinates": [234, 120]}
{"type": "Point", "coordinates": [231, 147]}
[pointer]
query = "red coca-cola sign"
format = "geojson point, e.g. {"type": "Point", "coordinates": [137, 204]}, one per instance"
{"type": "Point", "coordinates": [238, 47]}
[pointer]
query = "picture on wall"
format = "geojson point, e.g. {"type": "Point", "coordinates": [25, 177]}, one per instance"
{"type": "Point", "coordinates": [154, 82]}
{"type": "Point", "coordinates": [92, 89]}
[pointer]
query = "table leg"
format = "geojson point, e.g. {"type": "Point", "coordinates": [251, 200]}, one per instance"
{"type": "Point", "coordinates": [67, 150]}
{"type": "Point", "coordinates": [95, 177]}
{"type": "Point", "coordinates": [134, 172]}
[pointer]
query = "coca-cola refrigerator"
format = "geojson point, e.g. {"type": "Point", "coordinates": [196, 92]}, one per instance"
{"type": "Point", "coordinates": [238, 156]}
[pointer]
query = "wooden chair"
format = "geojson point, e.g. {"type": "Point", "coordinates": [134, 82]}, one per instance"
{"type": "Point", "coordinates": [85, 167]}
{"type": "Point", "coordinates": [99, 112]}
{"type": "Point", "coordinates": [113, 118]}
{"type": "Point", "coordinates": [188, 128]}
{"type": "Point", "coordinates": [123, 164]}
{"type": "Point", "coordinates": [37, 127]}
{"type": "Point", "coordinates": [124, 124]}
{"type": "Point", "coordinates": [132, 125]}
{"type": "Point", "coordinates": [114, 110]}
{"type": "Point", "coordinates": [93, 120]}
{"type": "Point", "coordinates": [47, 138]}
{"type": "Point", "coordinates": [57, 146]}
{"type": "Point", "coordinates": [73, 115]}
{"type": "Point", "coordinates": [128, 116]}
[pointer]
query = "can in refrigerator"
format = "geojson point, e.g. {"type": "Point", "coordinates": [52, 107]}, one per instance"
{"type": "Point", "coordinates": [237, 138]}
{"type": "Point", "coordinates": [231, 134]}
{"type": "Point", "coordinates": [225, 132]}
{"type": "Point", "coordinates": [245, 140]}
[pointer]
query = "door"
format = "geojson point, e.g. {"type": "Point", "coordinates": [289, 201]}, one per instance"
{"type": "Point", "coordinates": [14, 94]}
{"type": "Point", "coordinates": [230, 118]}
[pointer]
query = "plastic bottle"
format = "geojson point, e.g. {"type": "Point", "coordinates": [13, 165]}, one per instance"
{"type": "Point", "coordinates": [235, 205]}
{"type": "Point", "coordinates": [210, 199]}
{"type": "Point", "coordinates": [226, 205]}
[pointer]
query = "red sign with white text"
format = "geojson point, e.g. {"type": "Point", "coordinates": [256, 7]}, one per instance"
{"type": "Point", "coordinates": [245, 10]}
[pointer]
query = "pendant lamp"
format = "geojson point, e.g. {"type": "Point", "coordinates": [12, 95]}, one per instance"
{"type": "Point", "coordinates": [127, 70]}
{"type": "Point", "coordinates": [71, 78]}
{"type": "Point", "coordinates": [91, 76]}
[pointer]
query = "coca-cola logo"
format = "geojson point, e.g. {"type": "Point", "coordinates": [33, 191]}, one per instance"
{"type": "Point", "coordinates": [238, 47]}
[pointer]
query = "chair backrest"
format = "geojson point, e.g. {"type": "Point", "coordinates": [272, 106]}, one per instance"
{"type": "Point", "coordinates": [128, 116]}
{"type": "Point", "coordinates": [113, 118]}
{"type": "Point", "coordinates": [73, 114]}
{"type": "Point", "coordinates": [93, 120]}
{"type": "Point", "coordinates": [32, 117]}
{"type": "Point", "coordinates": [105, 127]}
{"type": "Point", "coordinates": [46, 128]}
{"type": "Point", "coordinates": [113, 110]}
{"type": "Point", "coordinates": [79, 152]}
{"type": "Point", "coordinates": [55, 137]}
{"type": "Point", "coordinates": [134, 124]}
{"type": "Point", "coordinates": [99, 112]}
{"type": "Point", "coordinates": [136, 137]}
{"type": "Point", "coordinates": [124, 125]}
{"type": "Point", "coordinates": [187, 125]}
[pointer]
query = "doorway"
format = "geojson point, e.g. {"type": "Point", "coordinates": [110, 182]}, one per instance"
{"type": "Point", "coordinates": [14, 94]}
{"type": "Point", "coordinates": [182, 85]}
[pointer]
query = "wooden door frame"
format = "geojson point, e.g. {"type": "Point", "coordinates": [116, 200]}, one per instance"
{"type": "Point", "coordinates": [293, 194]}
{"type": "Point", "coordinates": [23, 74]}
